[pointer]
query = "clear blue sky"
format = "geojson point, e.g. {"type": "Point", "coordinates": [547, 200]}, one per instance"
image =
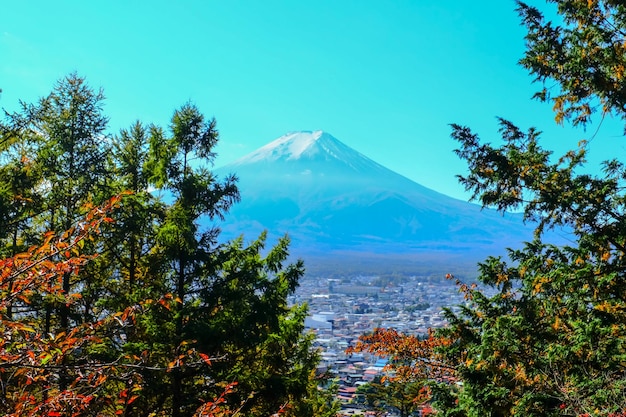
{"type": "Point", "coordinates": [384, 77]}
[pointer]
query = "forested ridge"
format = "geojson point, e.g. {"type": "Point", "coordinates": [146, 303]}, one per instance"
{"type": "Point", "coordinates": [116, 302]}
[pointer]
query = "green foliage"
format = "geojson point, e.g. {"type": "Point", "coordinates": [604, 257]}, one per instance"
{"type": "Point", "coordinates": [404, 397]}
{"type": "Point", "coordinates": [580, 61]}
{"type": "Point", "coordinates": [553, 332]}
{"type": "Point", "coordinates": [244, 318]}
{"type": "Point", "coordinates": [164, 320]}
{"type": "Point", "coordinates": [549, 338]}
{"type": "Point", "coordinates": [71, 151]}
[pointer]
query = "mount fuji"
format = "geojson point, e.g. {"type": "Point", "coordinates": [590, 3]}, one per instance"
{"type": "Point", "coordinates": [333, 200]}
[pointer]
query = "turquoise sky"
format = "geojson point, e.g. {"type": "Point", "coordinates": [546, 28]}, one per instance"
{"type": "Point", "coordinates": [384, 77]}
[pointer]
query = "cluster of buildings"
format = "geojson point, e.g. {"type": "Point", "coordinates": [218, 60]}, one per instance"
{"type": "Point", "coordinates": [340, 310]}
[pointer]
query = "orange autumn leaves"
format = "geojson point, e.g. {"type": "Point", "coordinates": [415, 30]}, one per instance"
{"type": "Point", "coordinates": [32, 361]}
{"type": "Point", "coordinates": [411, 358]}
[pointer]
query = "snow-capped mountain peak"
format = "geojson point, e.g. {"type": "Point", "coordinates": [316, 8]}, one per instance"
{"type": "Point", "coordinates": [309, 145]}
{"type": "Point", "coordinates": [287, 147]}
{"type": "Point", "coordinates": [328, 195]}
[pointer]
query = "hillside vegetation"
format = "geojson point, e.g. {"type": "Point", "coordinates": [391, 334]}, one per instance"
{"type": "Point", "coordinates": [115, 302]}
{"type": "Point", "coordinates": [551, 341]}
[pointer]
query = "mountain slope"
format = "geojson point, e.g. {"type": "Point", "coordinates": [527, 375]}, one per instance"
{"type": "Point", "coordinates": [331, 198]}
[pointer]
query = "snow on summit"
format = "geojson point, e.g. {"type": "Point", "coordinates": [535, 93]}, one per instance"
{"type": "Point", "coordinates": [308, 145]}
{"type": "Point", "coordinates": [289, 146]}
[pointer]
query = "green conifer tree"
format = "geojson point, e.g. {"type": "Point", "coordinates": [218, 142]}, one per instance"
{"type": "Point", "coordinates": [175, 318]}
{"type": "Point", "coordinates": [549, 339]}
